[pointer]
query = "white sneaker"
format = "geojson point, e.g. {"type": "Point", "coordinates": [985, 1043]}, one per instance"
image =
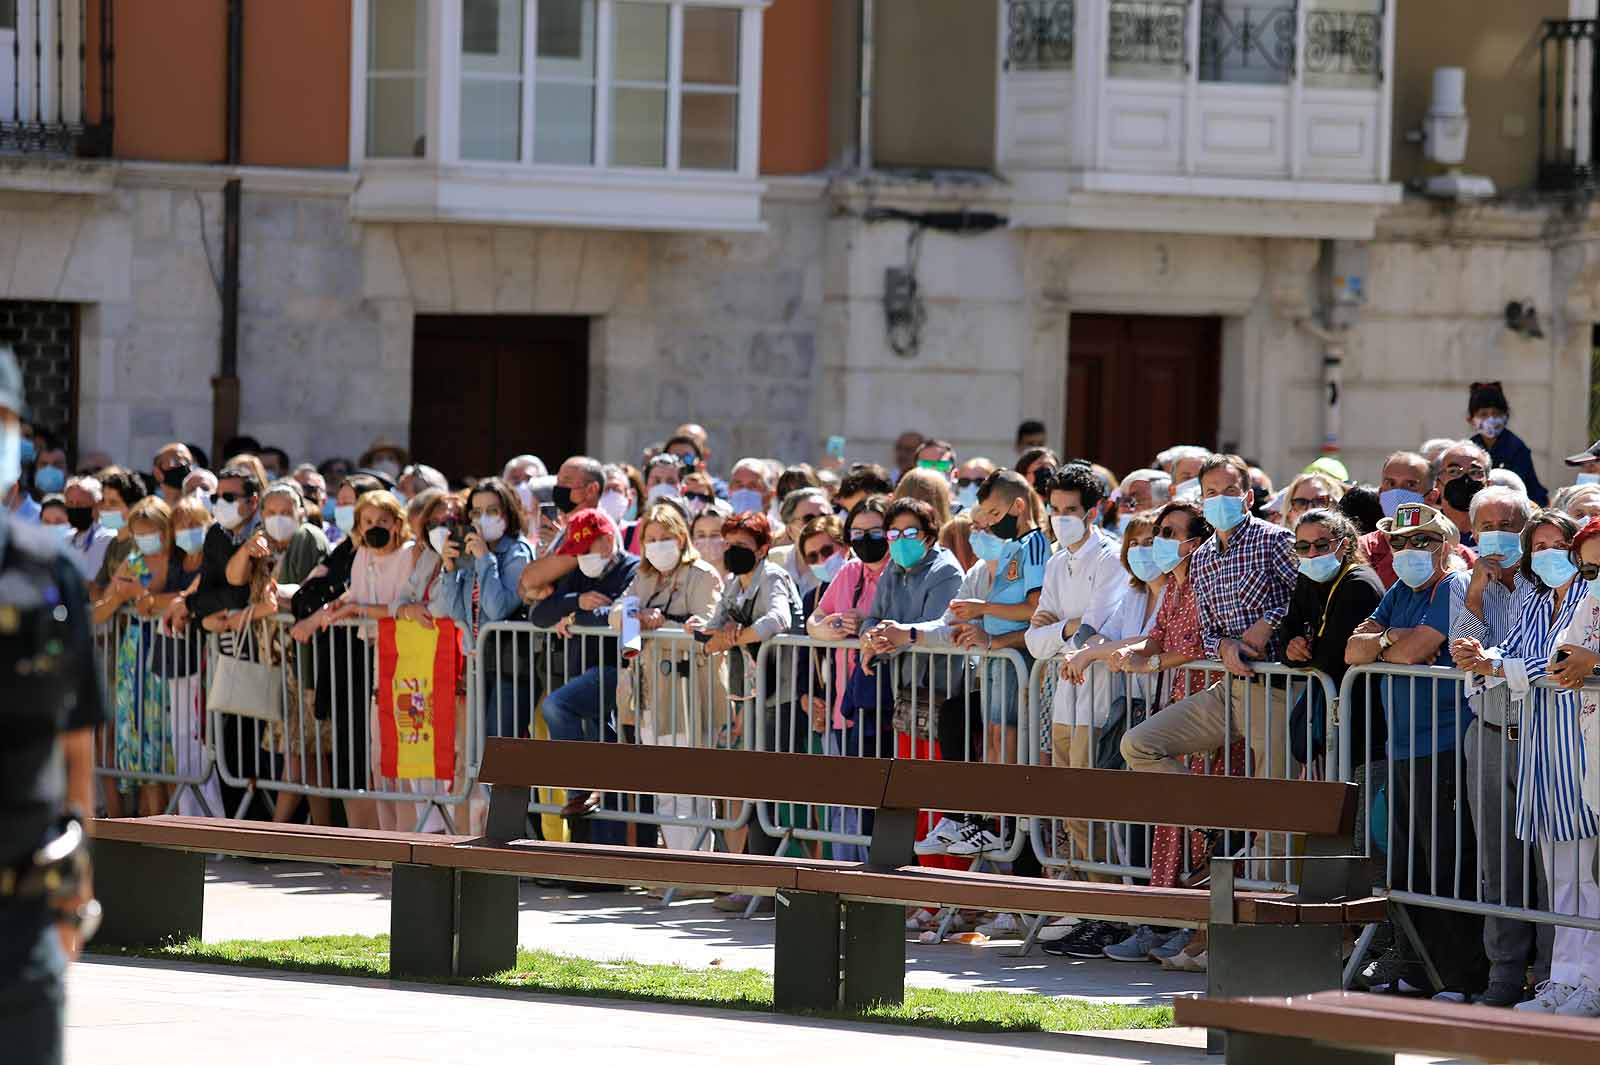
{"type": "Point", "coordinates": [1583, 1002]}
{"type": "Point", "coordinates": [939, 837]}
{"type": "Point", "coordinates": [1060, 928]}
{"type": "Point", "coordinates": [975, 839]}
{"type": "Point", "coordinates": [1549, 998]}
{"type": "Point", "coordinates": [1004, 926]}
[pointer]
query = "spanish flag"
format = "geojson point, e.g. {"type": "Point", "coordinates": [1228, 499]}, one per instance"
{"type": "Point", "coordinates": [417, 668]}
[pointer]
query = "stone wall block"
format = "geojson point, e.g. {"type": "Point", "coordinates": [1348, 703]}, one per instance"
{"type": "Point", "coordinates": [45, 240]}
{"type": "Point", "coordinates": [515, 251]}
{"type": "Point", "coordinates": [709, 355]}
{"type": "Point", "coordinates": [560, 265]}
{"type": "Point", "coordinates": [610, 264]}
{"type": "Point", "coordinates": [427, 266]}
{"type": "Point", "coordinates": [789, 355]}
{"type": "Point", "coordinates": [264, 216]}
{"type": "Point", "coordinates": [100, 264]}
{"type": "Point", "coordinates": [766, 298]}
{"type": "Point", "coordinates": [958, 404]}
{"type": "Point", "coordinates": [383, 270]}
{"type": "Point", "coordinates": [153, 212]}
{"type": "Point", "coordinates": [472, 277]}
{"type": "Point", "coordinates": [980, 268]}
{"type": "Point", "coordinates": [323, 220]}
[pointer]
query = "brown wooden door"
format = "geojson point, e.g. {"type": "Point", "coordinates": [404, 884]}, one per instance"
{"type": "Point", "coordinates": [1137, 385]}
{"type": "Point", "coordinates": [485, 388]}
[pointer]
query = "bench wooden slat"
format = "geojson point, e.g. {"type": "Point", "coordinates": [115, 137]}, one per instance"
{"type": "Point", "coordinates": [1318, 808]}
{"type": "Point", "coordinates": [1345, 1018]}
{"type": "Point", "coordinates": [573, 861]}
{"type": "Point", "coordinates": [754, 775]}
{"type": "Point", "coordinates": [261, 840]}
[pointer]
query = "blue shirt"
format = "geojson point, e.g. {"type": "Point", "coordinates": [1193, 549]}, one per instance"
{"type": "Point", "coordinates": [1017, 576]}
{"type": "Point", "coordinates": [1413, 703]}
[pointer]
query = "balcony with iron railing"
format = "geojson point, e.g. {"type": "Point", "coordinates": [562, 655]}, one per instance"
{"type": "Point", "coordinates": [56, 78]}
{"type": "Point", "coordinates": [1569, 118]}
{"type": "Point", "coordinates": [1282, 100]}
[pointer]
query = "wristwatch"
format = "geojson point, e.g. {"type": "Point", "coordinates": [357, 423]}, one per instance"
{"type": "Point", "coordinates": [1385, 641]}
{"type": "Point", "coordinates": [1153, 663]}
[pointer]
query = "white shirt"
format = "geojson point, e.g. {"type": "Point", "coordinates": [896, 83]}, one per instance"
{"type": "Point", "coordinates": [89, 548]}
{"type": "Point", "coordinates": [1086, 586]}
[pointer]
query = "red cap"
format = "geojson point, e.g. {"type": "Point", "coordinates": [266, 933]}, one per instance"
{"type": "Point", "coordinates": [583, 529]}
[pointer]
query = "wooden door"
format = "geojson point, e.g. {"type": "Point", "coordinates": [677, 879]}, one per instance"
{"type": "Point", "coordinates": [486, 388]}
{"type": "Point", "coordinates": [1136, 385]}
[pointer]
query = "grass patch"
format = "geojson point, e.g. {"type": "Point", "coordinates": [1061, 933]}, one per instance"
{"type": "Point", "coordinates": [741, 989]}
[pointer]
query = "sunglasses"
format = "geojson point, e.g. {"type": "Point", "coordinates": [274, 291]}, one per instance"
{"type": "Point", "coordinates": [858, 535]}
{"type": "Point", "coordinates": [1419, 541]}
{"type": "Point", "coordinates": [819, 556]}
{"type": "Point", "coordinates": [1307, 548]}
{"type": "Point", "coordinates": [233, 497]}
{"type": "Point", "coordinates": [942, 465]}
{"type": "Point", "coordinates": [1312, 501]}
{"type": "Point", "coordinates": [697, 496]}
{"type": "Point", "coordinates": [969, 482]}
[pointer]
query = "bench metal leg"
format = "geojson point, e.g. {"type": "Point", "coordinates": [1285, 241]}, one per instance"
{"type": "Point", "coordinates": [445, 922]}
{"type": "Point", "coordinates": [150, 895]}
{"type": "Point", "coordinates": [874, 954]}
{"type": "Point", "coordinates": [1248, 1049]}
{"type": "Point", "coordinates": [806, 966]}
{"type": "Point", "coordinates": [1267, 959]}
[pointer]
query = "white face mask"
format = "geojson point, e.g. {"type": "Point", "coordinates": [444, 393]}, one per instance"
{"type": "Point", "coordinates": [1069, 529]}
{"type": "Point", "coordinates": [491, 527]}
{"type": "Point", "coordinates": [280, 527]}
{"type": "Point", "coordinates": [664, 555]}
{"type": "Point", "coordinates": [659, 489]}
{"type": "Point", "coordinates": [228, 515]}
{"type": "Point", "coordinates": [615, 505]}
{"type": "Point", "coordinates": [438, 536]}
{"type": "Point", "coordinates": [593, 566]}
{"type": "Point", "coordinates": [388, 467]}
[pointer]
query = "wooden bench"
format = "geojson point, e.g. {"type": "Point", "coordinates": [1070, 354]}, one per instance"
{"type": "Point", "coordinates": [1346, 1028]}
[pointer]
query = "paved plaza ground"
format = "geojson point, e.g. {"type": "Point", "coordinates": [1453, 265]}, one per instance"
{"type": "Point", "coordinates": [136, 1012]}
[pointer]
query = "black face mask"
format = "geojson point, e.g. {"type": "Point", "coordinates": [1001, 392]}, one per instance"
{"type": "Point", "coordinates": [80, 517]}
{"type": "Point", "coordinates": [561, 496]}
{"type": "Point", "coordinates": [739, 560]}
{"type": "Point", "coordinates": [1005, 528]}
{"type": "Point", "coordinates": [1459, 492]}
{"type": "Point", "coordinates": [870, 551]}
{"type": "Point", "coordinates": [174, 476]}
{"type": "Point", "coordinates": [377, 537]}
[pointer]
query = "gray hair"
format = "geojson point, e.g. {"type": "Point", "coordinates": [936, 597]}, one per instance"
{"type": "Point", "coordinates": [1160, 484]}
{"type": "Point", "coordinates": [759, 467]}
{"type": "Point", "coordinates": [534, 461]}
{"type": "Point", "coordinates": [1432, 449]}
{"type": "Point", "coordinates": [592, 469]}
{"type": "Point", "coordinates": [792, 501]}
{"type": "Point", "coordinates": [1173, 455]}
{"type": "Point", "coordinates": [1563, 501]}
{"type": "Point", "coordinates": [1497, 493]}
{"type": "Point", "coordinates": [430, 477]}
{"type": "Point", "coordinates": [285, 488]}
{"type": "Point", "coordinates": [88, 484]}
{"type": "Point", "coordinates": [665, 458]}
{"type": "Point", "coordinates": [1507, 479]}
{"type": "Point", "coordinates": [1436, 465]}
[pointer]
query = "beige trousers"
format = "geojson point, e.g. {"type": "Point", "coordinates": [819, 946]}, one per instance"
{"type": "Point", "coordinates": [1072, 746]}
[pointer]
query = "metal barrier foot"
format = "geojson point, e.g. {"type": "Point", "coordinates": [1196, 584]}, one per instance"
{"type": "Point", "coordinates": [150, 895]}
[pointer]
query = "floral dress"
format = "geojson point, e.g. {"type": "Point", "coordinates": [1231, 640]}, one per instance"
{"type": "Point", "coordinates": [1177, 631]}
{"type": "Point", "coordinates": [143, 733]}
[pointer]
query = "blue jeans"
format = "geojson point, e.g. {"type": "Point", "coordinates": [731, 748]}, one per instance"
{"type": "Point", "coordinates": [584, 708]}
{"type": "Point", "coordinates": [508, 707]}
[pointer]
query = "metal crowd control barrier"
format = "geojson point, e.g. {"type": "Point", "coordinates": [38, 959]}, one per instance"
{"type": "Point", "coordinates": [1257, 712]}
{"type": "Point", "coordinates": [1447, 826]}
{"type": "Point", "coordinates": [925, 702]}
{"type": "Point", "coordinates": [582, 686]}
{"type": "Point", "coordinates": [156, 684]}
{"type": "Point", "coordinates": [323, 743]}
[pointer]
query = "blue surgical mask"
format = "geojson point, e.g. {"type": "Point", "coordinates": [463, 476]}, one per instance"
{"type": "Point", "coordinates": [345, 518]}
{"type": "Point", "coordinates": [1414, 567]}
{"type": "Point", "coordinates": [908, 552]}
{"type": "Point", "coordinates": [328, 506]}
{"type": "Point", "coordinates": [113, 520]}
{"type": "Point", "coordinates": [745, 501]}
{"type": "Point", "coordinates": [827, 571]}
{"type": "Point", "coordinates": [26, 452]}
{"type": "Point", "coordinates": [987, 546]}
{"type": "Point", "coordinates": [11, 456]}
{"type": "Point", "coordinates": [1554, 566]}
{"type": "Point", "coordinates": [967, 496]}
{"type": "Point", "coordinates": [1588, 478]}
{"type": "Point", "coordinates": [149, 543]}
{"type": "Point", "coordinates": [1391, 500]}
{"type": "Point", "coordinates": [49, 479]}
{"type": "Point", "coordinates": [1503, 547]}
{"type": "Point", "coordinates": [190, 540]}
{"type": "Point", "coordinates": [1167, 553]}
{"type": "Point", "coordinates": [1123, 521]}
{"type": "Point", "coordinates": [1321, 568]}
{"type": "Point", "coordinates": [1224, 512]}
{"type": "Point", "coordinates": [1142, 561]}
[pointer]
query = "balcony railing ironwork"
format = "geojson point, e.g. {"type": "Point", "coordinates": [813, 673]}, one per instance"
{"type": "Point", "coordinates": [45, 102]}
{"type": "Point", "coordinates": [1148, 32]}
{"type": "Point", "coordinates": [1569, 120]}
{"type": "Point", "coordinates": [1039, 34]}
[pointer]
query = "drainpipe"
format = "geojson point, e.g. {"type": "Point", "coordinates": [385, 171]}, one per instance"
{"type": "Point", "coordinates": [1332, 382]}
{"type": "Point", "coordinates": [225, 386]}
{"type": "Point", "coordinates": [865, 76]}
{"type": "Point", "coordinates": [1341, 292]}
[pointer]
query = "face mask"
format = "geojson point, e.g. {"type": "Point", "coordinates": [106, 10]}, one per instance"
{"type": "Point", "coordinates": [1588, 478]}
{"type": "Point", "coordinates": [1414, 567]}
{"type": "Point", "coordinates": [10, 457]}
{"type": "Point", "coordinates": [344, 517]}
{"type": "Point", "coordinates": [388, 467]}
{"type": "Point", "coordinates": [1069, 529]}
{"type": "Point", "coordinates": [281, 527]}
{"type": "Point", "coordinates": [1167, 553]}
{"type": "Point", "coordinates": [26, 452]}
{"type": "Point", "coordinates": [710, 549]}
{"type": "Point", "coordinates": [664, 555]}
{"type": "Point", "coordinates": [1553, 567]}
{"type": "Point", "coordinates": [149, 543]}
{"type": "Point", "coordinates": [1504, 547]}
{"type": "Point", "coordinates": [1122, 526]}
{"type": "Point", "coordinates": [80, 518]}
{"type": "Point", "coordinates": [632, 512]}
{"type": "Point", "coordinates": [1459, 492]}
{"type": "Point", "coordinates": [402, 497]}
{"type": "Point", "coordinates": [745, 501]}
{"type": "Point", "coordinates": [174, 476]}
{"type": "Point", "coordinates": [438, 536]}
{"type": "Point", "coordinates": [524, 492]}
{"type": "Point", "coordinates": [593, 565]}
{"type": "Point", "coordinates": [1394, 497]}
{"type": "Point", "coordinates": [1005, 528]}
{"type": "Point", "coordinates": [615, 504]}
{"type": "Point", "coordinates": [985, 545]}
{"type": "Point", "coordinates": [657, 491]}
{"type": "Point", "coordinates": [228, 515]}
{"type": "Point", "coordinates": [190, 540]}
{"type": "Point", "coordinates": [205, 500]}
{"type": "Point", "coordinates": [967, 496]}
{"type": "Point", "coordinates": [908, 552]}
{"type": "Point", "coordinates": [61, 532]}
{"type": "Point", "coordinates": [1492, 426]}
{"type": "Point", "coordinates": [561, 496]}
{"type": "Point", "coordinates": [1142, 561]}
{"type": "Point", "coordinates": [739, 559]}
{"type": "Point", "coordinates": [1189, 489]}
{"type": "Point", "coordinates": [113, 520]}
{"type": "Point", "coordinates": [872, 552]}
{"type": "Point", "coordinates": [48, 479]}
{"type": "Point", "coordinates": [491, 527]}
{"type": "Point", "coordinates": [1321, 568]}
{"type": "Point", "coordinates": [696, 506]}
{"type": "Point", "coordinates": [376, 537]}
{"type": "Point", "coordinates": [327, 509]}
{"type": "Point", "coordinates": [829, 570]}
{"type": "Point", "coordinates": [1224, 512]}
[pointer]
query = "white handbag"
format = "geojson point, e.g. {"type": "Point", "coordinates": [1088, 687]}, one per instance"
{"type": "Point", "coordinates": [245, 687]}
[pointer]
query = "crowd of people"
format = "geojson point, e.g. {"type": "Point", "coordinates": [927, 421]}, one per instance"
{"type": "Point", "coordinates": [1452, 555]}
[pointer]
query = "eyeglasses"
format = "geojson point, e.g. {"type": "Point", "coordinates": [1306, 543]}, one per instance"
{"type": "Point", "coordinates": [969, 482]}
{"type": "Point", "coordinates": [858, 535]}
{"type": "Point", "coordinates": [902, 534]}
{"type": "Point", "coordinates": [1311, 501]}
{"type": "Point", "coordinates": [1418, 541]}
{"type": "Point", "coordinates": [819, 556]}
{"type": "Point", "coordinates": [1172, 534]}
{"type": "Point", "coordinates": [1477, 473]}
{"type": "Point", "coordinates": [697, 496]}
{"type": "Point", "coordinates": [492, 511]}
{"type": "Point", "coordinates": [1307, 548]}
{"type": "Point", "coordinates": [687, 460]}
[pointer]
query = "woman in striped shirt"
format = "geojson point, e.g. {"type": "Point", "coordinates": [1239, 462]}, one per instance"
{"type": "Point", "coordinates": [1550, 807]}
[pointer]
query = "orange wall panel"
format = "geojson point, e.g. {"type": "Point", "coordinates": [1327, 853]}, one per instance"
{"type": "Point", "coordinates": [797, 39]}
{"type": "Point", "coordinates": [296, 83]}
{"type": "Point", "coordinates": [171, 77]}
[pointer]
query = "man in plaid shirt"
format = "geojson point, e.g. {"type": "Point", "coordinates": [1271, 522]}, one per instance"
{"type": "Point", "coordinates": [1243, 577]}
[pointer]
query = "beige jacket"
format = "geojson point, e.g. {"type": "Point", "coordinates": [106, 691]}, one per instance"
{"type": "Point", "coordinates": [653, 692]}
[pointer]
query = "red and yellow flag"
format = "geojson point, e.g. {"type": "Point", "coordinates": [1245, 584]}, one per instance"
{"type": "Point", "coordinates": [417, 699]}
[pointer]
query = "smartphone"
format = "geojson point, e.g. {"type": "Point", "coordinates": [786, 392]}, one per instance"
{"type": "Point", "coordinates": [550, 512]}
{"type": "Point", "coordinates": [1562, 656]}
{"type": "Point", "coordinates": [836, 447]}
